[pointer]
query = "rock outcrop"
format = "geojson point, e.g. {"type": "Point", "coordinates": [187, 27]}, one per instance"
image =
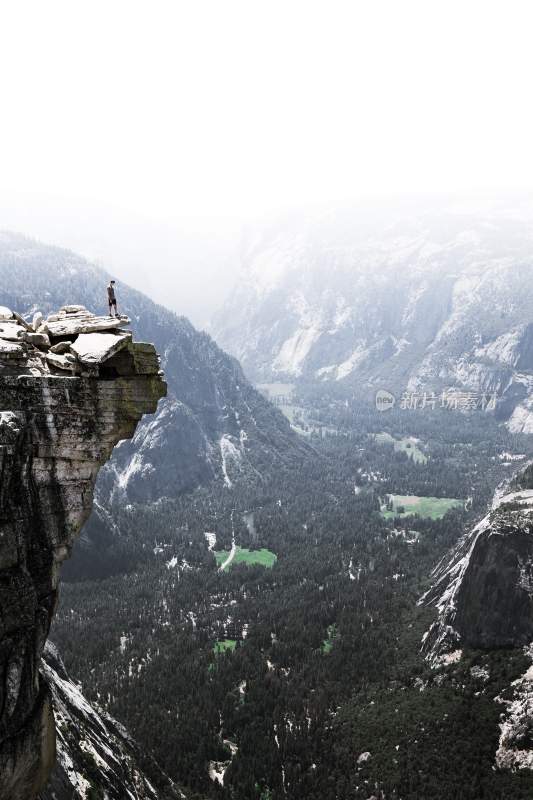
{"type": "Point", "coordinates": [484, 592]}
{"type": "Point", "coordinates": [484, 595]}
{"type": "Point", "coordinates": [66, 400]}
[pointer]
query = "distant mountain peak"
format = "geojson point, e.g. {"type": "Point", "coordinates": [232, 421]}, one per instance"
{"type": "Point", "coordinates": [435, 301]}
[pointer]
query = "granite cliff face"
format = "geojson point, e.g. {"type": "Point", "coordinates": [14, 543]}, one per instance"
{"type": "Point", "coordinates": [71, 387]}
{"type": "Point", "coordinates": [484, 596]}
{"type": "Point", "coordinates": [484, 592]}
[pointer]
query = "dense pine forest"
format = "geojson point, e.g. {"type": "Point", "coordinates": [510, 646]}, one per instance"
{"type": "Point", "coordinates": [263, 640]}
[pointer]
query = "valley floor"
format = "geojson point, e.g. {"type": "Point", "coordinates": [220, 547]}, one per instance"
{"type": "Point", "coordinates": [281, 659]}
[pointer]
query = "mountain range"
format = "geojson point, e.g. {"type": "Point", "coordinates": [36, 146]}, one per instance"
{"type": "Point", "coordinates": [418, 305]}
{"type": "Point", "coordinates": [404, 302]}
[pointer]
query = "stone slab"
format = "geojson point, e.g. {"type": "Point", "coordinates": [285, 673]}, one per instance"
{"type": "Point", "coordinates": [95, 348]}
{"type": "Point", "coordinates": [73, 326]}
{"type": "Point", "coordinates": [11, 331]}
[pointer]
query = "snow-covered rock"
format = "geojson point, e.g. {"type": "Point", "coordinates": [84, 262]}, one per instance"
{"type": "Point", "coordinates": [515, 747]}
{"type": "Point", "coordinates": [95, 348]}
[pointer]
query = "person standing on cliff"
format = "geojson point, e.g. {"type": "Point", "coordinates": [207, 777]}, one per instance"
{"type": "Point", "coordinates": [112, 299]}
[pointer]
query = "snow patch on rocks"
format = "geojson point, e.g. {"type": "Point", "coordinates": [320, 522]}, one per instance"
{"type": "Point", "coordinates": [231, 456]}
{"type": "Point", "coordinates": [515, 747]}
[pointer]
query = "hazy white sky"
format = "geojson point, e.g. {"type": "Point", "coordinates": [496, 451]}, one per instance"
{"type": "Point", "coordinates": [199, 114]}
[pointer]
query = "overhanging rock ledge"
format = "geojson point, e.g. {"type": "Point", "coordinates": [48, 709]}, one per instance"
{"type": "Point", "coordinates": [71, 387]}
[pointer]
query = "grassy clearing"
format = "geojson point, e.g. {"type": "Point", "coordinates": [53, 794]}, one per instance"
{"type": "Point", "coordinates": [333, 633]}
{"type": "Point", "coordinates": [263, 557]}
{"type": "Point", "coordinates": [407, 445]}
{"type": "Point", "coordinates": [224, 646]}
{"type": "Point", "coordinates": [429, 507]}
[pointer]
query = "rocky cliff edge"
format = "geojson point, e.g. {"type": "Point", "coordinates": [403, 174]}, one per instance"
{"type": "Point", "coordinates": [71, 387]}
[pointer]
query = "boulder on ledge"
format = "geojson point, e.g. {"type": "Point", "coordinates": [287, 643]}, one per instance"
{"type": "Point", "coordinates": [74, 324]}
{"type": "Point", "coordinates": [95, 348]}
